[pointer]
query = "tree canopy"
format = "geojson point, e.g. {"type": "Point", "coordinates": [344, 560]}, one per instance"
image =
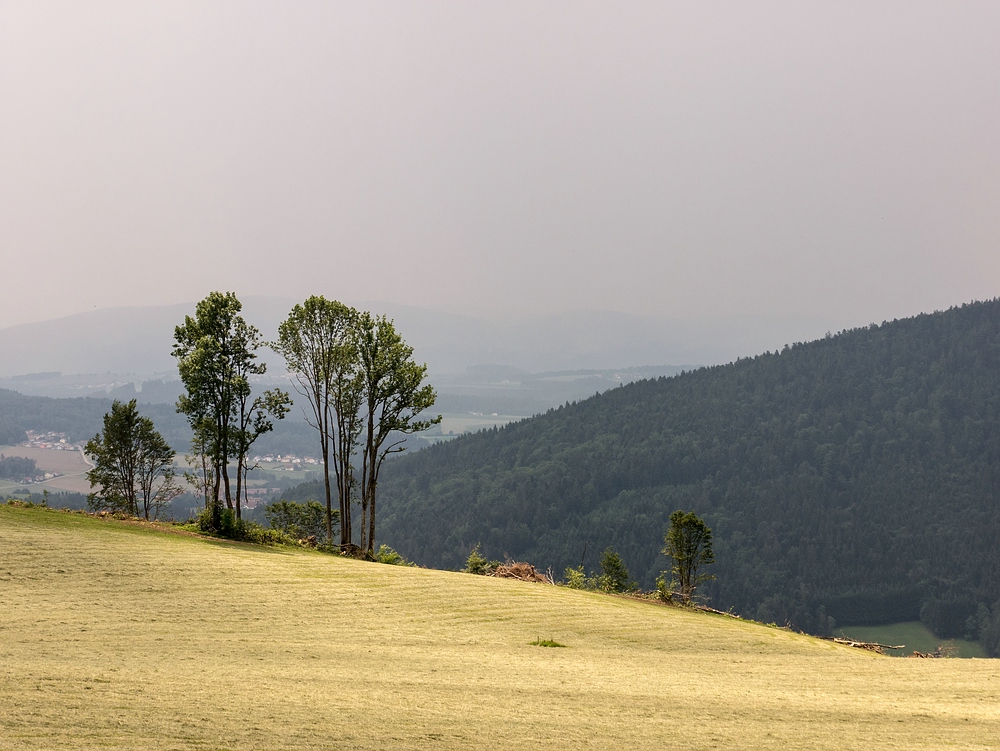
{"type": "Point", "coordinates": [688, 545]}
{"type": "Point", "coordinates": [319, 343]}
{"type": "Point", "coordinates": [133, 468]}
{"type": "Point", "coordinates": [216, 353]}
{"type": "Point", "coordinates": [363, 387]}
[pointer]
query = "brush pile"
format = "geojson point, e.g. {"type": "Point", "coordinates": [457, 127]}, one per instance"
{"type": "Point", "coordinates": [521, 571]}
{"type": "Point", "coordinates": [869, 645]}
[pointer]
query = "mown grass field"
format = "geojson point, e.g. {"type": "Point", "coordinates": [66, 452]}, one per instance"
{"type": "Point", "coordinates": [116, 636]}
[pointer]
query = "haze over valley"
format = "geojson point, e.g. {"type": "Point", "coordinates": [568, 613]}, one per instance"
{"type": "Point", "coordinates": [527, 375]}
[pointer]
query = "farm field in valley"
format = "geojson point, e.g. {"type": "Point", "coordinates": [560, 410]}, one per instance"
{"type": "Point", "coordinates": [70, 464]}
{"type": "Point", "coordinates": [119, 635]}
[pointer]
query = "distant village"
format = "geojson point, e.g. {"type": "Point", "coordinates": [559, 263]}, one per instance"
{"type": "Point", "coordinates": [54, 441]}
{"type": "Point", "coordinates": [41, 477]}
{"type": "Point", "coordinates": [51, 441]}
{"type": "Point", "coordinates": [292, 461]}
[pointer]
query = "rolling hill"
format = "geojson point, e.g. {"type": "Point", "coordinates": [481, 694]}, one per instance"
{"type": "Point", "coordinates": [850, 480]}
{"type": "Point", "coordinates": [138, 340]}
{"type": "Point", "coordinates": [117, 635]}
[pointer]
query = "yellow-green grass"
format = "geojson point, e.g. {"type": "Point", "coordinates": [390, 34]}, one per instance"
{"type": "Point", "coordinates": [118, 636]}
{"type": "Point", "coordinates": [915, 636]}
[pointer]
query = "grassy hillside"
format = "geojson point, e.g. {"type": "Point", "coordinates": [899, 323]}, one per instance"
{"type": "Point", "coordinates": [850, 480]}
{"type": "Point", "coordinates": [116, 636]}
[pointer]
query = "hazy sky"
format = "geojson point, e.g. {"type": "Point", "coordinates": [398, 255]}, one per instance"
{"type": "Point", "coordinates": [690, 160]}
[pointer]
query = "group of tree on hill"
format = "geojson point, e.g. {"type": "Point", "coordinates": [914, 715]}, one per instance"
{"type": "Point", "coordinates": [354, 370]}
{"type": "Point", "coordinates": [364, 390]}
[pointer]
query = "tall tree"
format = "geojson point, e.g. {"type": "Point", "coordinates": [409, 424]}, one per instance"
{"type": "Point", "coordinates": [216, 353]}
{"type": "Point", "coordinates": [318, 342]}
{"type": "Point", "coordinates": [200, 460]}
{"type": "Point", "coordinates": [393, 398]}
{"type": "Point", "coordinates": [256, 416]}
{"type": "Point", "coordinates": [689, 546]}
{"type": "Point", "coordinates": [133, 465]}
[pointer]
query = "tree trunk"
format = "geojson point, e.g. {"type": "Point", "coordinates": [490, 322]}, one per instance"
{"type": "Point", "coordinates": [239, 485]}
{"type": "Point", "coordinates": [367, 468]}
{"type": "Point", "coordinates": [371, 517]}
{"type": "Point", "coordinates": [326, 481]}
{"type": "Point", "coordinates": [228, 487]}
{"type": "Point", "coordinates": [344, 489]}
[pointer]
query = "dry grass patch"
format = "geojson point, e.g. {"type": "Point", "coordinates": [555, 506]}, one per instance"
{"type": "Point", "coordinates": [116, 636]}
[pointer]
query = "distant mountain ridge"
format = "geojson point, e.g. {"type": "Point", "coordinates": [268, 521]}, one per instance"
{"type": "Point", "coordinates": [138, 340]}
{"type": "Point", "coordinates": [853, 479]}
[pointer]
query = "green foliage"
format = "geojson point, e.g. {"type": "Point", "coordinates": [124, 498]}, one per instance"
{"type": "Point", "coordinates": [689, 547]}
{"type": "Point", "coordinates": [298, 520]}
{"type": "Point", "coordinates": [133, 470]}
{"type": "Point", "coordinates": [614, 576]}
{"type": "Point", "coordinates": [852, 477]}
{"type": "Point", "coordinates": [393, 398]}
{"type": "Point", "coordinates": [576, 578]}
{"type": "Point", "coordinates": [227, 525]}
{"type": "Point", "coordinates": [478, 564]}
{"type": "Point", "coordinates": [387, 555]}
{"type": "Point", "coordinates": [319, 345]}
{"type": "Point", "coordinates": [985, 626]}
{"type": "Point", "coordinates": [216, 353]}
{"type": "Point", "coordinates": [223, 522]}
{"type": "Point", "coordinates": [363, 388]}
{"type": "Point", "coordinates": [210, 519]}
{"type": "Point", "coordinates": [546, 643]}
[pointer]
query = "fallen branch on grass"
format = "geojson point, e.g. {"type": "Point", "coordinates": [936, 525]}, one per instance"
{"type": "Point", "coordinates": [521, 571]}
{"type": "Point", "coordinates": [707, 609]}
{"type": "Point", "coordinates": [871, 646]}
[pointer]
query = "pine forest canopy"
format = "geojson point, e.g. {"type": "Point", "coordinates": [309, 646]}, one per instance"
{"type": "Point", "coordinates": [849, 480]}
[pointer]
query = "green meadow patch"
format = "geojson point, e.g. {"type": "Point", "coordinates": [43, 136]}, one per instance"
{"type": "Point", "coordinates": [546, 643]}
{"type": "Point", "coordinates": [915, 636]}
{"type": "Point", "coordinates": [115, 635]}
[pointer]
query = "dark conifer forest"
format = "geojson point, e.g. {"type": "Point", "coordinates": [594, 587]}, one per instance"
{"type": "Point", "coordinates": [850, 480]}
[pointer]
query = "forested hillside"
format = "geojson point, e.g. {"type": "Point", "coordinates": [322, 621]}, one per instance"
{"type": "Point", "coordinates": [81, 418]}
{"type": "Point", "coordinates": [853, 478]}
